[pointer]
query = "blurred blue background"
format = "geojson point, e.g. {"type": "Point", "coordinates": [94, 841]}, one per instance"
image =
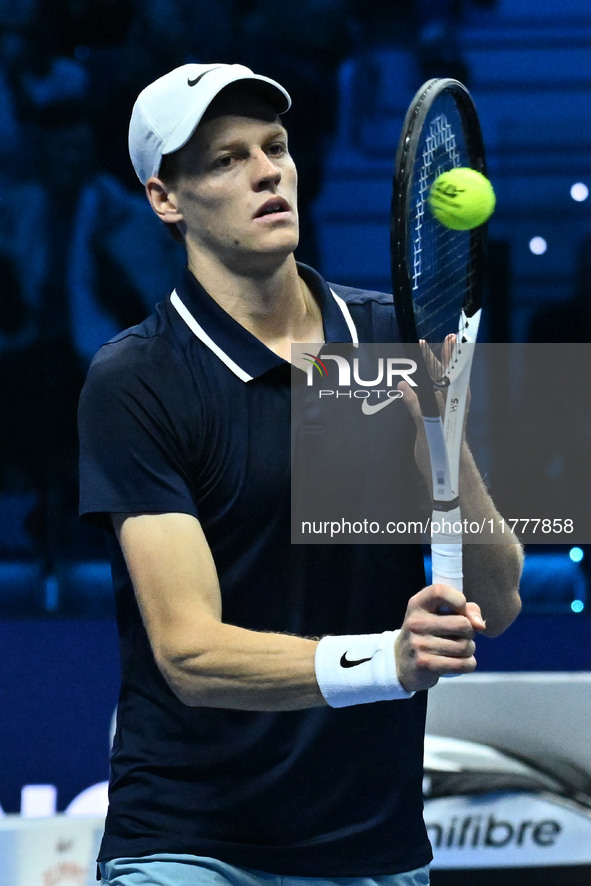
{"type": "Point", "coordinates": [82, 256]}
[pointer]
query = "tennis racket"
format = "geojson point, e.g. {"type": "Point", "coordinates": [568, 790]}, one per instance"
{"type": "Point", "coordinates": [437, 276]}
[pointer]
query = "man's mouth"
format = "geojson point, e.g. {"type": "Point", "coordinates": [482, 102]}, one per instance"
{"type": "Point", "coordinates": [272, 207]}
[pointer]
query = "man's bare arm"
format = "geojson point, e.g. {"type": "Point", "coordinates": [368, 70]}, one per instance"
{"type": "Point", "coordinates": [492, 568]}
{"type": "Point", "coordinates": [207, 662]}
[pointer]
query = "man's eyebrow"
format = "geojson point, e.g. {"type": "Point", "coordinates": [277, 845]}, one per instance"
{"type": "Point", "coordinates": [278, 130]}
{"type": "Point", "coordinates": [238, 142]}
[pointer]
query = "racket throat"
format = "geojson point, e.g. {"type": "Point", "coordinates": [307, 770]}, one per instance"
{"type": "Point", "coordinates": [445, 493]}
{"type": "Point", "coordinates": [458, 375]}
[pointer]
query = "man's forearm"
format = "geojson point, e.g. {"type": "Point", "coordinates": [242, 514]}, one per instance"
{"type": "Point", "coordinates": [232, 667]}
{"type": "Point", "coordinates": [493, 561]}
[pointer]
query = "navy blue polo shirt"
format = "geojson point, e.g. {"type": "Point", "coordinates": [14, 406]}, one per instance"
{"type": "Point", "coordinates": [190, 413]}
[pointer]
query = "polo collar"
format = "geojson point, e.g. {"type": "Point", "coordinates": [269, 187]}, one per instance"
{"type": "Point", "coordinates": [244, 354]}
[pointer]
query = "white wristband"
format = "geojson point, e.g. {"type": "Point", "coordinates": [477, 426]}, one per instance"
{"type": "Point", "coordinates": [358, 669]}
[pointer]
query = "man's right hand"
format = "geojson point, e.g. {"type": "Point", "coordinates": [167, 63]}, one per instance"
{"type": "Point", "coordinates": [433, 643]}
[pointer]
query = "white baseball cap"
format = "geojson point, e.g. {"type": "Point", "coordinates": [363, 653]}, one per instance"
{"type": "Point", "coordinates": [167, 112]}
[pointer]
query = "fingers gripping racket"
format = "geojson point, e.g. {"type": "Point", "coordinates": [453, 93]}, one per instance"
{"type": "Point", "coordinates": [437, 276]}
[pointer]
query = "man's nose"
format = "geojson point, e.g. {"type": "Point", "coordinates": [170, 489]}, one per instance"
{"type": "Point", "coordinates": [266, 170]}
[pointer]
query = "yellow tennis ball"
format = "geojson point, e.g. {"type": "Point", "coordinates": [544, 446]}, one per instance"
{"type": "Point", "coordinates": [462, 198]}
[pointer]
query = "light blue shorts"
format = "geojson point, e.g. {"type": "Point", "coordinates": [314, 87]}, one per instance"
{"type": "Point", "coordinates": [193, 870]}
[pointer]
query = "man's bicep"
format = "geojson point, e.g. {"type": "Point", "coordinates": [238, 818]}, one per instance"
{"type": "Point", "coordinates": [174, 577]}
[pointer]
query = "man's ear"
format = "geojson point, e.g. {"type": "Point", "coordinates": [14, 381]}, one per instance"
{"type": "Point", "coordinates": [163, 201]}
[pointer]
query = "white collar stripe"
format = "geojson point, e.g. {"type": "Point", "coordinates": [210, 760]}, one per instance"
{"type": "Point", "coordinates": [202, 335]}
{"type": "Point", "coordinates": [347, 315]}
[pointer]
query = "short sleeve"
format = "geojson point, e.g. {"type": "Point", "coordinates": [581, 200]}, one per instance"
{"type": "Point", "coordinates": [135, 455]}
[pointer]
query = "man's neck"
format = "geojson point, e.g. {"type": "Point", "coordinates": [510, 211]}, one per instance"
{"type": "Point", "coordinates": [274, 304]}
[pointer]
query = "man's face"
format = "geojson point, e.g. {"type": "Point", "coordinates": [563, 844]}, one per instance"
{"type": "Point", "coordinates": [236, 185]}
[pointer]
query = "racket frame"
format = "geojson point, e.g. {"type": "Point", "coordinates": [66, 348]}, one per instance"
{"type": "Point", "coordinates": [444, 436]}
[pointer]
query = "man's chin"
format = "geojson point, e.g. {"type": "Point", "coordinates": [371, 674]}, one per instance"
{"type": "Point", "coordinates": [281, 247]}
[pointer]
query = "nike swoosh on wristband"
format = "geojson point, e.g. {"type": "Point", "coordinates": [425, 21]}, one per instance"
{"type": "Point", "coordinates": [372, 408]}
{"type": "Point", "coordinates": [347, 663]}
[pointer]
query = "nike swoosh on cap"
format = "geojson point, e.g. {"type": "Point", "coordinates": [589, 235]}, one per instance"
{"type": "Point", "coordinates": [197, 79]}
{"type": "Point", "coordinates": [347, 663]}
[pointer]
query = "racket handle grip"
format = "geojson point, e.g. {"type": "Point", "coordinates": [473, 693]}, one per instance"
{"type": "Point", "coordinates": [446, 548]}
{"type": "Point", "coordinates": [446, 564]}
{"type": "Point", "coordinates": [446, 568]}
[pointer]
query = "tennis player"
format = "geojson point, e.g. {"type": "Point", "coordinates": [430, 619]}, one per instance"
{"type": "Point", "coordinates": [272, 708]}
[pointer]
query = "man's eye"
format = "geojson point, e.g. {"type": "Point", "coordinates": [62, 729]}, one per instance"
{"type": "Point", "coordinates": [277, 149]}
{"type": "Point", "coordinates": [224, 162]}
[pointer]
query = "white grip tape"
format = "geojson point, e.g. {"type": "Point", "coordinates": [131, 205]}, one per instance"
{"type": "Point", "coordinates": [446, 548]}
{"type": "Point", "coordinates": [358, 669]}
{"type": "Point", "coordinates": [446, 565]}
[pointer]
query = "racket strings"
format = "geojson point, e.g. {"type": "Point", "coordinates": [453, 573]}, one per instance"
{"type": "Point", "coordinates": [440, 258]}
